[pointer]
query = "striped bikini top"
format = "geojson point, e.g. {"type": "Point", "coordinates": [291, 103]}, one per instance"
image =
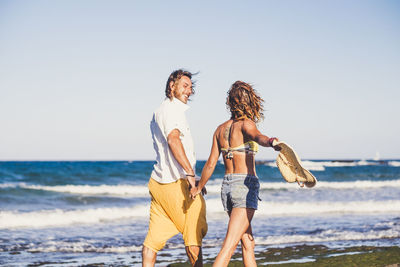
{"type": "Point", "coordinates": [248, 147]}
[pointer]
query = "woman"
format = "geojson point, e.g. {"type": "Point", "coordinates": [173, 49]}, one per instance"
{"type": "Point", "coordinates": [238, 140]}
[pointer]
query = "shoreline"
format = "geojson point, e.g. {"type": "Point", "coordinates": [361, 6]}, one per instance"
{"type": "Point", "coordinates": [296, 255]}
{"type": "Point", "coordinates": [318, 255]}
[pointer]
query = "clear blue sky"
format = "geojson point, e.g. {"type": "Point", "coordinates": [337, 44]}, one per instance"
{"type": "Point", "coordinates": [79, 80]}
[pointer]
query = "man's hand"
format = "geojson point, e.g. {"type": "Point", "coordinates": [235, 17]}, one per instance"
{"type": "Point", "coordinates": [192, 181]}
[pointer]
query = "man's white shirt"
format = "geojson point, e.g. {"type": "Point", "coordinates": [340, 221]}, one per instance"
{"type": "Point", "coordinates": [168, 116]}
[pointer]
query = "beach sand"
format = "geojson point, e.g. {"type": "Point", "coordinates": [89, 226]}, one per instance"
{"type": "Point", "coordinates": [321, 256]}
{"type": "Point", "coordinates": [300, 255]}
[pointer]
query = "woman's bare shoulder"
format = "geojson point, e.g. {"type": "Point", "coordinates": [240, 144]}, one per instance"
{"type": "Point", "coordinates": [222, 126]}
{"type": "Point", "coordinates": [249, 127]}
{"type": "Point", "coordinates": [247, 123]}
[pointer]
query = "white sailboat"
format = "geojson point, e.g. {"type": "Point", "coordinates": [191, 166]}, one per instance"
{"type": "Point", "coordinates": [377, 156]}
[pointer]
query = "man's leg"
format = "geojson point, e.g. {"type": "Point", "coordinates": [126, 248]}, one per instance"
{"type": "Point", "coordinates": [195, 255]}
{"type": "Point", "coordinates": [195, 226]}
{"type": "Point", "coordinates": [161, 228]}
{"type": "Point", "coordinates": [148, 257]}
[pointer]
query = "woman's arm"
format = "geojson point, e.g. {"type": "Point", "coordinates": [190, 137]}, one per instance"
{"type": "Point", "coordinates": [209, 167]}
{"type": "Point", "coordinates": [250, 129]}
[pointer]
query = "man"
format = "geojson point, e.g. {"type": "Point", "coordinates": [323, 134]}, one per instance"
{"type": "Point", "coordinates": [172, 211]}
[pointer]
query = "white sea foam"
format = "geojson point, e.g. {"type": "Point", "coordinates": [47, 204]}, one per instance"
{"type": "Point", "coordinates": [360, 184]}
{"type": "Point", "coordinates": [334, 185]}
{"type": "Point", "coordinates": [267, 208]}
{"type": "Point", "coordinates": [307, 208]}
{"type": "Point", "coordinates": [84, 246]}
{"type": "Point", "coordinates": [213, 187]}
{"type": "Point", "coordinates": [80, 247]}
{"type": "Point", "coordinates": [9, 185]}
{"type": "Point", "coordinates": [331, 185]}
{"type": "Point", "coordinates": [313, 166]}
{"type": "Point", "coordinates": [57, 217]}
{"type": "Point", "coordinates": [329, 236]}
{"type": "Point", "coordinates": [120, 190]}
{"type": "Point", "coordinates": [394, 163]}
{"type": "Point", "coordinates": [272, 240]}
{"type": "Point", "coordinates": [321, 165]}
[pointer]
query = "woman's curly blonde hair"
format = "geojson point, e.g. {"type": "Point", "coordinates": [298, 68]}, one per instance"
{"type": "Point", "coordinates": [243, 100]}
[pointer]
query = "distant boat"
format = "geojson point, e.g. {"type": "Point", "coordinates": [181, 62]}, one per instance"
{"type": "Point", "coordinates": [377, 156]}
{"type": "Point", "coordinates": [343, 160]}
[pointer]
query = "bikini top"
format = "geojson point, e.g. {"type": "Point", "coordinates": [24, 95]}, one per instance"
{"type": "Point", "coordinates": [248, 147]}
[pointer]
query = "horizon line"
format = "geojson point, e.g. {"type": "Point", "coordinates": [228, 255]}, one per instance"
{"type": "Point", "coordinates": [131, 160]}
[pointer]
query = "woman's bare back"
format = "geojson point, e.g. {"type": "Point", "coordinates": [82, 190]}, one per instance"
{"type": "Point", "coordinates": [230, 134]}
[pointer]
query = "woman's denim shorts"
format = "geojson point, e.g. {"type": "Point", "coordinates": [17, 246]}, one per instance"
{"type": "Point", "coordinates": [240, 191]}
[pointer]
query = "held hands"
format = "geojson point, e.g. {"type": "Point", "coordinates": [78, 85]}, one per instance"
{"type": "Point", "coordinates": [203, 190]}
{"type": "Point", "coordinates": [194, 190]}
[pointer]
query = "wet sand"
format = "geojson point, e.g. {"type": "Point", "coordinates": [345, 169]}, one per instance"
{"type": "Point", "coordinates": [301, 256]}
{"type": "Point", "coordinates": [321, 256]}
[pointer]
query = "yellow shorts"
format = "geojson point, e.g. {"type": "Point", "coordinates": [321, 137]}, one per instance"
{"type": "Point", "coordinates": [172, 211]}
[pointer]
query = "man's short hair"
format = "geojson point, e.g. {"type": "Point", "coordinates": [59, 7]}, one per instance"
{"type": "Point", "coordinates": [174, 77]}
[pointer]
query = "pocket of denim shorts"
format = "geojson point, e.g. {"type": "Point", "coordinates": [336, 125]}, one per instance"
{"type": "Point", "coordinates": [254, 186]}
{"type": "Point", "coordinates": [252, 183]}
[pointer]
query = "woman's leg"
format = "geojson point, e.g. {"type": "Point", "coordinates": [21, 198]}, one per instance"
{"type": "Point", "coordinates": [248, 245]}
{"type": "Point", "coordinates": [239, 223]}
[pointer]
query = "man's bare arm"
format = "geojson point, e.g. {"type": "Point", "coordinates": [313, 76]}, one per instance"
{"type": "Point", "coordinates": [176, 146]}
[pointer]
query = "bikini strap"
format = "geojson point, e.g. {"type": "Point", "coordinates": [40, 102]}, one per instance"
{"type": "Point", "coordinates": [229, 154]}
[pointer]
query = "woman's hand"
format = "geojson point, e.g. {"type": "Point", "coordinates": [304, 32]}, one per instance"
{"type": "Point", "coordinates": [271, 143]}
{"type": "Point", "coordinates": [203, 190]}
{"type": "Point", "coordinates": [194, 191]}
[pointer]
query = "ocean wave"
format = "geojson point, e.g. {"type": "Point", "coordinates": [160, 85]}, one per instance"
{"type": "Point", "coordinates": [82, 247]}
{"type": "Point", "coordinates": [333, 185]}
{"type": "Point", "coordinates": [57, 217]}
{"type": "Point", "coordinates": [213, 187]}
{"type": "Point", "coordinates": [330, 236]}
{"type": "Point", "coordinates": [394, 163]}
{"type": "Point", "coordinates": [8, 185]}
{"type": "Point", "coordinates": [268, 208]}
{"type": "Point", "coordinates": [321, 165]}
{"type": "Point", "coordinates": [270, 240]}
{"type": "Point", "coordinates": [342, 236]}
{"type": "Point", "coordinates": [307, 208]}
{"type": "Point", "coordinates": [119, 190]}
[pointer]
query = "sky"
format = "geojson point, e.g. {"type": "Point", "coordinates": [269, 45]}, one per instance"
{"type": "Point", "coordinates": [79, 80]}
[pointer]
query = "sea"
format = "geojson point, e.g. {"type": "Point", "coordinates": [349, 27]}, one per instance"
{"type": "Point", "coordinates": [74, 213]}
